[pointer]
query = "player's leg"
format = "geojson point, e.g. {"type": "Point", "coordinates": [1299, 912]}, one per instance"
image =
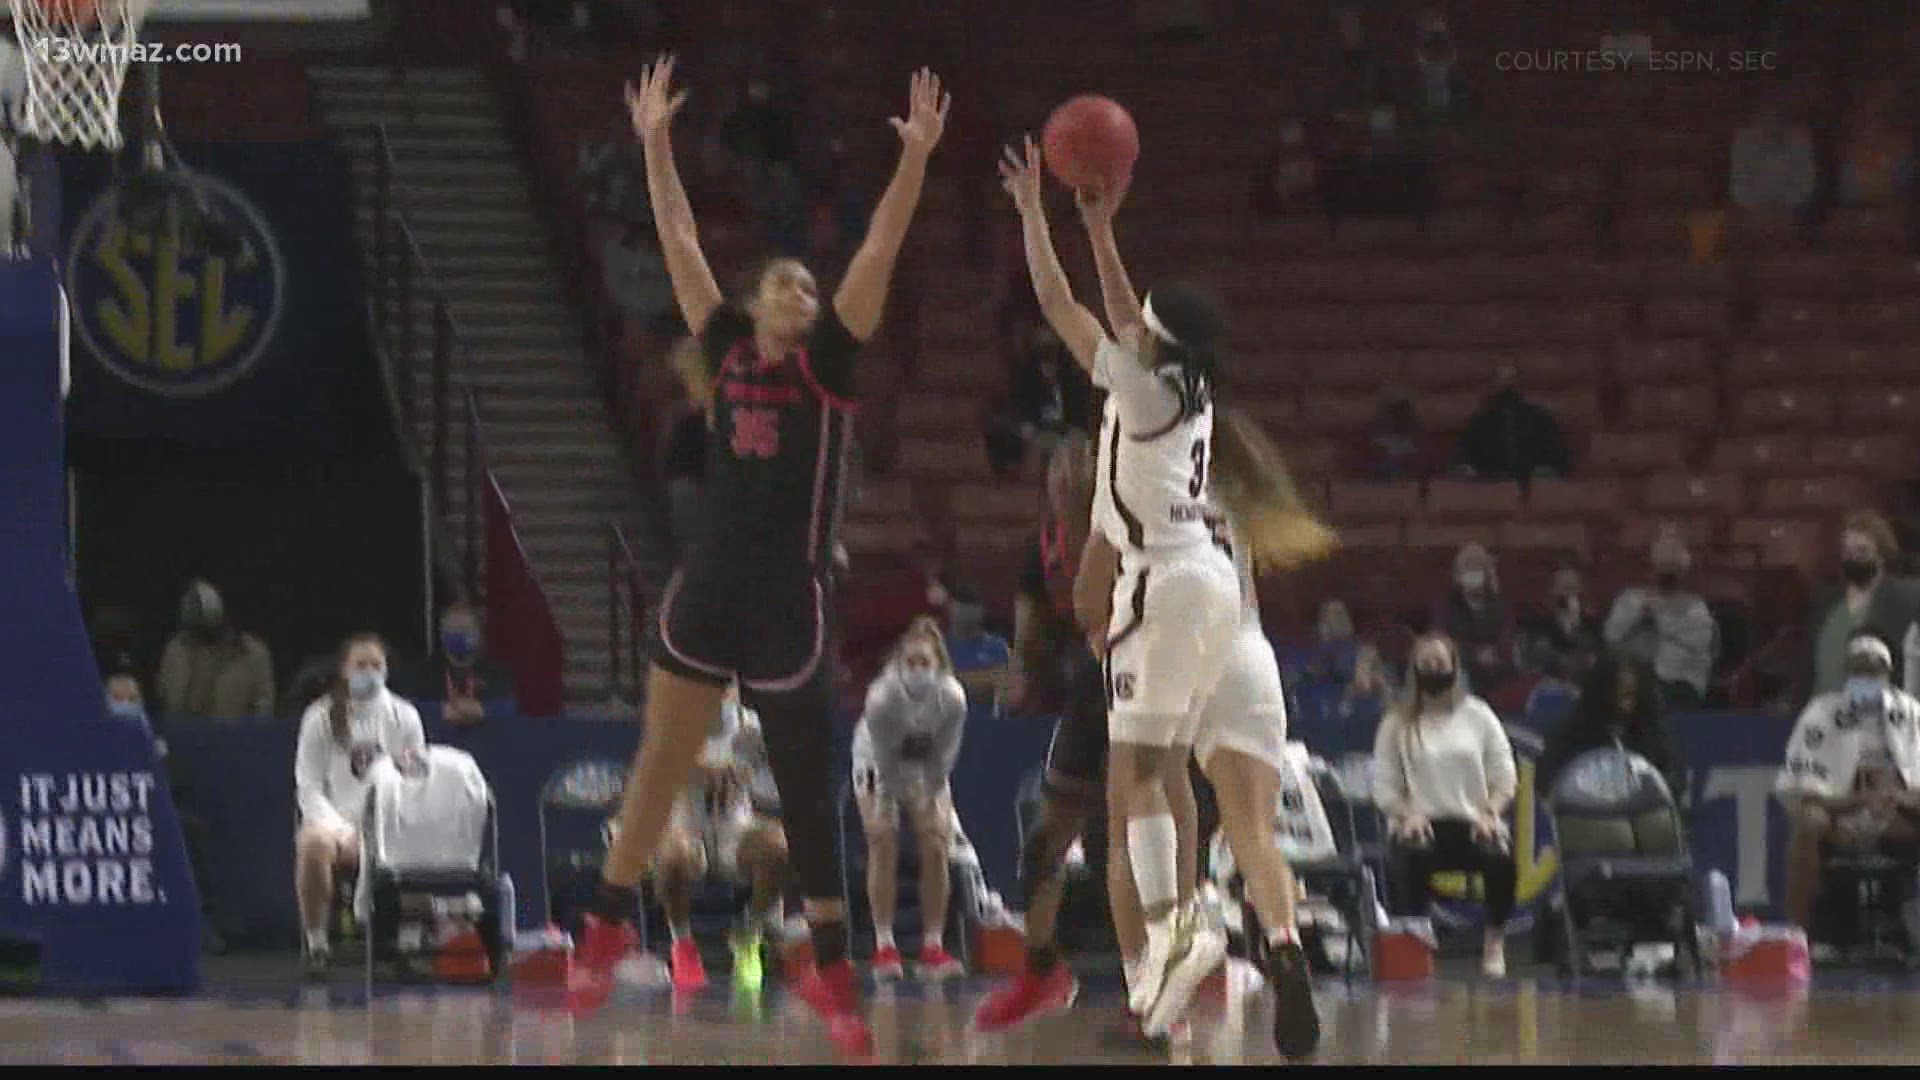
{"type": "Point", "coordinates": [880, 821]}
{"type": "Point", "coordinates": [678, 870]}
{"type": "Point", "coordinates": [762, 862]}
{"type": "Point", "coordinates": [932, 830]}
{"type": "Point", "coordinates": [320, 852]}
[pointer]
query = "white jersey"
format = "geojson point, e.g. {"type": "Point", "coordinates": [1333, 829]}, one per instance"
{"type": "Point", "coordinates": [1150, 494]}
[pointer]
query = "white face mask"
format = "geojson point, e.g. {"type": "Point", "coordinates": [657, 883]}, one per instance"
{"type": "Point", "coordinates": [365, 684]}
{"type": "Point", "coordinates": [917, 680]}
{"type": "Point", "coordinates": [1865, 691]}
{"type": "Point", "coordinates": [1473, 580]}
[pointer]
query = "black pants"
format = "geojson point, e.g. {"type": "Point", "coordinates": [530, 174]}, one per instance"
{"type": "Point", "coordinates": [1453, 848]}
{"type": "Point", "coordinates": [774, 635]}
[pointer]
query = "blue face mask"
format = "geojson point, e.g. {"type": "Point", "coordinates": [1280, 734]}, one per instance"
{"type": "Point", "coordinates": [127, 710]}
{"type": "Point", "coordinates": [459, 644]}
{"type": "Point", "coordinates": [1865, 691]}
{"type": "Point", "coordinates": [364, 684]}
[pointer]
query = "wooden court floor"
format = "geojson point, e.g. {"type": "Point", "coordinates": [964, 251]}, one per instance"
{"type": "Point", "coordinates": [1853, 1019]}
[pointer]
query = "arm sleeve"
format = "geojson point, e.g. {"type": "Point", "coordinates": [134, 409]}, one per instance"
{"type": "Point", "coordinates": [312, 757]}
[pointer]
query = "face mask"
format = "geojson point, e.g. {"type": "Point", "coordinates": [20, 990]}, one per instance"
{"type": "Point", "coordinates": [1865, 690]}
{"type": "Point", "coordinates": [1434, 682]}
{"type": "Point", "coordinates": [1668, 580]}
{"type": "Point", "coordinates": [127, 710]}
{"type": "Point", "coordinates": [364, 684]}
{"type": "Point", "coordinates": [460, 644]}
{"type": "Point", "coordinates": [1473, 580]}
{"type": "Point", "coordinates": [917, 680]}
{"type": "Point", "coordinates": [1859, 571]}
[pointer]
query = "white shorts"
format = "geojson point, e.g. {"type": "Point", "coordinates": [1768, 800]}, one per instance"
{"type": "Point", "coordinates": [881, 808]}
{"type": "Point", "coordinates": [1248, 709]}
{"type": "Point", "coordinates": [1168, 641]}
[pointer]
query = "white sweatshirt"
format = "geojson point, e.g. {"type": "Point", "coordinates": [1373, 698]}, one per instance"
{"type": "Point", "coordinates": [324, 781]}
{"type": "Point", "coordinates": [1453, 766]}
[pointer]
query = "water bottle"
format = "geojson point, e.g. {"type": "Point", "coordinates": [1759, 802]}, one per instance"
{"type": "Point", "coordinates": [1720, 904]}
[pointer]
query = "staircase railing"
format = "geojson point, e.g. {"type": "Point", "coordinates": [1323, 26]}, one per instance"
{"type": "Point", "coordinates": [489, 564]}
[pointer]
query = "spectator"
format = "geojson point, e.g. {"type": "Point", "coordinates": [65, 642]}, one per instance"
{"type": "Point", "coordinates": [1877, 153]}
{"type": "Point", "coordinates": [1289, 184]}
{"type": "Point", "coordinates": [1851, 778]}
{"type": "Point", "coordinates": [1444, 775]}
{"type": "Point", "coordinates": [635, 274]}
{"type": "Point", "coordinates": [1394, 448]}
{"type": "Point", "coordinates": [210, 668]}
{"type": "Point", "coordinates": [1340, 658]}
{"type": "Point", "coordinates": [1772, 164]}
{"type": "Point", "coordinates": [613, 175]}
{"type": "Point", "coordinates": [1358, 86]}
{"type": "Point", "coordinates": [1048, 397]}
{"type": "Point", "coordinates": [460, 674]}
{"type": "Point", "coordinates": [1436, 57]}
{"type": "Point", "coordinates": [127, 704]}
{"type": "Point", "coordinates": [341, 735]}
{"type": "Point", "coordinates": [1564, 641]}
{"type": "Point", "coordinates": [1871, 600]}
{"type": "Point", "coordinates": [1667, 626]}
{"type": "Point", "coordinates": [980, 657]}
{"type": "Point", "coordinates": [904, 750]}
{"type": "Point", "coordinates": [1474, 615]}
{"type": "Point", "coordinates": [1618, 706]}
{"type": "Point", "coordinates": [1511, 438]}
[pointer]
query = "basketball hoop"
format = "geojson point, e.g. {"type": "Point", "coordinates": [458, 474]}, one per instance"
{"type": "Point", "coordinates": [77, 53]}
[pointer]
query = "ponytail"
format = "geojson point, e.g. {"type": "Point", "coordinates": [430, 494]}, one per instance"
{"type": "Point", "coordinates": [1251, 480]}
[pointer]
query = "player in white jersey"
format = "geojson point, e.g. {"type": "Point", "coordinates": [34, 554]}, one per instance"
{"type": "Point", "coordinates": [1178, 621]}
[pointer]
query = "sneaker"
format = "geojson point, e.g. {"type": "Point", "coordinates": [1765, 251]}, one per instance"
{"type": "Point", "coordinates": [1027, 997]}
{"type": "Point", "coordinates": [887, 965]}
{"type": "Point", "coordinates": [601, 948]}
{"type": "Point", "coordinates": [1194, 951]}
{"type": "Point", "coordinates": [747, 970]}
{"type": "Point", "coordinates": [830, 992]}
{"type": "Point", "coordinates": [936, 963]}
{"type": "Point", "coordinates": [316, 963]}
{"type": "Point", "coordinates": [1493, 960]}
{"type": "Point", "coordinates": [1126, 1035]}
{"type": "Point", "coordinates": [1296, 1022]}
{"type": "Point", "coordinates": [688, 972]}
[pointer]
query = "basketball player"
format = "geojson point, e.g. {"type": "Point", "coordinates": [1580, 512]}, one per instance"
{"type": "Point", "coordinates": [1188, 665]}
{"type": "Point", "coordinates": [722, 824]}
{"type": "Point", "coordinates": [750, 600]}
{"type": "Point", "coordinates": [1054, 654]}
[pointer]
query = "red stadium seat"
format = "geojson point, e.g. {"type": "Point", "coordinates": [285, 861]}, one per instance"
{"type": "Point", "coordinates": [1881, 407]}
{"type": "Point", "coordinates": [1576, 410]}
{"type": "Point", "coordinates": [1721, 493]}
{"type": "Point", "coordinates": [1635, 451]}
{"type": "Point", "coordinates": [1430, 369]}
{"type": "Point", "coordinates": [1358, 502]}
{"type": "Point", "coordinates": [1583, 499]}
{"type": "Point", "coordinates": [1813, 495]}
{"type": "Point", "coordinates": [1759, 453]}
{"type": "Point", "coordinates": [1448, 536]}
{"type": "Point", "coordinates": [1448, 412]}
{"type": "Point", "coordinates": [1762, 365]}
{"type": "Point", "coordinates": [1545, 536]}
{"type": "Point", "coordinates": [1693, 406]}
{"type": "Point", "coordinates": [1472, 500]}
{"type": "Point", "coordinates": [1373, 536]}
{"type": "Point", "coordinates": [1686, 315]}
{"type": "Point", "coordinates": [1779, 542]}
{"type": "Point", "coordinates": [1865, 455]}
{"type": "Point", "coordinates": [976, 502]}
{"type": "Point", "coordinates": [1672, 360]}
{"type": "Point", "coordinates": [929, 413]}
{"type": "Point", "coordinates": [952, 458]}
{"type": "Point", "coordinates": [1636, 533]}
{"type": "Point", "coordinates": [1347, 369]}
{"type": "Point", "coordinates": [1336, 413]}
{"type": "Point", "coordinates": [1572, 366]}
{"type": "Point", "coordinates": [1791, 408]}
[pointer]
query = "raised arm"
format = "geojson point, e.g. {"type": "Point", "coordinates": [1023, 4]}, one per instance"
{"type": "Point", "coordinates": [1097, 206]}
{"type": "Point", "coordinates": [863, 292]}
{"type": "Point", "coordinates": [652, 105]}
{"type": "Point", "coordinates": [1077, 327]}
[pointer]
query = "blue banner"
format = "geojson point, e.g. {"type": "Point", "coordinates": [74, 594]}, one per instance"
{"type": "Point", "coordinates": [250, 335]}
{"type": "Point", "coordinates": [91, 861]}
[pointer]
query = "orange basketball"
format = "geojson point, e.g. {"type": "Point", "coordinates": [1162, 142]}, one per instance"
{"type": "Point", "coordinates": [70, 13]}
{"type": "Point", "coordinates": [1091, 139]}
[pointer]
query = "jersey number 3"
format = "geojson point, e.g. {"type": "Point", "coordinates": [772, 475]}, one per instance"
{"type": "Point", "coordinates": [756, 433]}
{"type": "Point", "coordinates": [1199, 482]}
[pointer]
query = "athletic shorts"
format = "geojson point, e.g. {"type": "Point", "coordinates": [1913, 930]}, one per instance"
{"type": "Point", "coordinates": [1175, 618]}
{"type": "Point", "coordinates": [1077, 756]}
{"type": "Point", "coordinates": [1248, 709]}
{"type": "Point", "coordinates": [771, 633]}
{"type": "Point", "coordinates": [881, 808]}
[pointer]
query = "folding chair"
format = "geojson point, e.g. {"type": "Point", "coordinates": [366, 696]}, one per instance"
{"type": "Point", "coordinates": [1349, 877]}
{"type": "Point", "coordinates": [1626, 874]}
{"type": "Point", "coordinates": [395, 864]}
{"type": "Point", "coordinates": [589, 789]}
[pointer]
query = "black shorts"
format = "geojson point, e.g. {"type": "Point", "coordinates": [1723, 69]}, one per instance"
{"type": "Point", "coordinates": [1077, 757]}
{"type": "Point", "coordinates": [718, 625]}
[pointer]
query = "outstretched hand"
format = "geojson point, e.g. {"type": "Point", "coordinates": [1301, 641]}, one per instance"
{"type": "Point", "coordinates": [926, 113]}
{"type": "Point", "coordinates": [1098, 203]}
{"type": "Point", "coordinates": [1020, 176]}
{"type": "Point", "coordinates": [652, 105]}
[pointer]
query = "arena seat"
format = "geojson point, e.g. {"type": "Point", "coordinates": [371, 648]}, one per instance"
{"type": "Point", "coordinates": [1470, 499]}
{"type": "Point", "coordinates": [1887, 456]}
{"type": "Point", "coordinates": [976, 502]}
{"type": "Point", "coordinates": [1716, 493]}
{"type": "Point", "coordinates": [1759, 453]}
{"type": "Point", "coordinates": [1361, 502]}
{"type": "Point", "coordinates": [1632, 452]}
{"type": "Point", "coordinates": [1693, 406]}
{"type": "Point", "coordinates": [1666, 361]}
{"type": "Point", "coordinates": [1819, 496]}
{"type": "Point", "coordinates": [1529, 536]}
{"type": "Point", "coordinates": [1582, 498]}
{"type": "Point", "coordinates": [1881, 408]}
{"type": "Point", "coordinates": [1788, 408]}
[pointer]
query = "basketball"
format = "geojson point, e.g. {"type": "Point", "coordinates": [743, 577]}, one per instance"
{"type": "Point", "coordinates": [70, 13]}
{"type": "Point", "coordinates": [1090, 139]}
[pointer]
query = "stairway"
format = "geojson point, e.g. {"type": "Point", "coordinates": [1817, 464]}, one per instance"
{"type": "Point", "coordinates": [459, 182]}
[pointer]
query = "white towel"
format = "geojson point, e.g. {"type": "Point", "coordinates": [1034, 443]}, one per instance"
{"type": "Point", "coordinates": [437, 821]}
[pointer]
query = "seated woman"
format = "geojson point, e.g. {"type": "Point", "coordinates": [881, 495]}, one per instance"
{"type": "Point", "coordinates": [341, 736]}
{"type": "Point", "coordinates": [1619, 703]}
{"type": "Point", "coordinates": [1444, 775]}
{"type": "Point", "coordinates": [904, 750]}
{"type": "Point", "coordinates": [725, 823]}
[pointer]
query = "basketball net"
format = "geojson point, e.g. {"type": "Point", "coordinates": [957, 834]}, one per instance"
{"type": "Point", "coordinates": [76, 68]}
